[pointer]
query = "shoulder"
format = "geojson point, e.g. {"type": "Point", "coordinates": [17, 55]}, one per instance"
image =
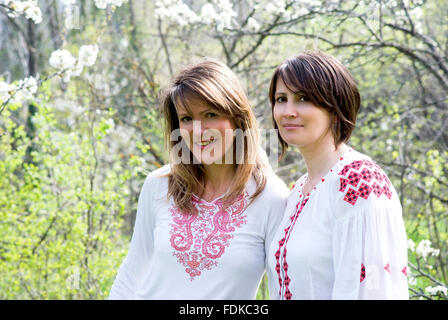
{"type": "Point", "coordinates": [158, 174]}
{"type": "Point", "coordinates": [270, 204]}
{"type": "Point", "coordinates": [275, 188]}
{"type": "Point", "coordinates": [157, 180]}
{"type": "Point", "coordinates": [358, 182]}
{"type": "Point", "coordinates": [273, 196]}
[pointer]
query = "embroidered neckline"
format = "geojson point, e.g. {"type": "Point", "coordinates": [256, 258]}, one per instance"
{"type": "Point", "coordinates": [196, 198]}
{"type": "Point", "coordinates": [200, 240]}
{"type": "Point", "coordinates": [325, 177]}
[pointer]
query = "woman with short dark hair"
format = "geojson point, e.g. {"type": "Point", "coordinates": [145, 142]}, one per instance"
{"type": "Point", "coordinates": [343, 235]}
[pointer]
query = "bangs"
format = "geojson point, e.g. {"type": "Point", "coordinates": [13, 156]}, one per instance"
{"type": "Point", "coordinates": [294, 78]}
{"type": "Point", "coordinates": [183, 96]}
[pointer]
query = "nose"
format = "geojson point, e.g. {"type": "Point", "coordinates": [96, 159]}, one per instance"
{"type": "Point", "coordinates": [199, 127]}
{"type": "Point", "coordinates": [290, 111]}
{"type": "Point", "coordinates": [201, 130]}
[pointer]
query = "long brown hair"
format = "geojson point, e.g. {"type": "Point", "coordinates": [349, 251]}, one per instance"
{"type": "Point", "coordinates": [215, 84]}
{"type": "Point", "coordinates": [324, 81]}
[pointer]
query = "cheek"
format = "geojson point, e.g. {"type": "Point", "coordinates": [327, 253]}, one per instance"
{"type": "Point", "coordinates": [185, 132]}
{"type": "Point", "coordinates": [325, 120]}
{"type": "Point", "coordinates": [224, 125]}
{"type": "Point", "coordinates": [276, 112]}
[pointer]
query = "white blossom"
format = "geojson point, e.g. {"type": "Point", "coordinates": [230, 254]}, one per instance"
{"type": "Point", "coordinates": [33, 12]}
{"type": "Point", "coordinates": [67, 76]}
{"type": "Point", "coordinates": [175, 11]}
{"type": "Point", "coordinates": [116, 3]}
{"type": "Point", "coordinates": [62, 59]}
{"type": "Point", "coordinates": [22, 90]}
{"type": "Point", "coordinates": [208, 14]}
{"type": "Point", "coordinates": [436, 290]}
{"type": "Point", "coordinates": [69, 2]}
{"type": "Point", "coordinates": [424, 249]}
{"type": "Point", "coordinates": [4, 91]}
{"type": "Point", "coordinates": [31, 84]}
{"type": "Point", "coordinates": [411, 279]}
{"type": "Point", "coordinates": [276, 7]}
{"type": "Point", "coordinates": [102, 4]}
{"type": "Point", "coordinates": [253, 24]}
{"type": "Point", "coordinates": [226, 14]}
{"type": "Point", "coordinates": [124, 43]}
{"type": "Point", "coordinates": [77, 69]}
{"type": "Point", "coordinates": [29, 8]}
{"type": "Point", "coordinates": [411, 245]}
{"type": "Point", "coordinates": [87, 55]}
{"type": "Point", "coordinates": [29, 87]}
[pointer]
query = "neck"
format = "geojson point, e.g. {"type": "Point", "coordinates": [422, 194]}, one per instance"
{"type": "Point", "coordinates": [218, 177]}
{"type": "Point", "coordinates": [319, 158]}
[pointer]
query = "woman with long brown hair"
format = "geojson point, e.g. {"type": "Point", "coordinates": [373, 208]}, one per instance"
{"type": "Point", "coordinates": [205, 220]}
{"type": "Point", "coordinates": [342, 236]}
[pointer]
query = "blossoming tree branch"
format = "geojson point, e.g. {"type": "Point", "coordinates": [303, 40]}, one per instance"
{"type": "Point", "coordinates": [62, 60]}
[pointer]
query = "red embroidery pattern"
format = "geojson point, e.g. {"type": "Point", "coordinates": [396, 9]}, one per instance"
{"type": "Point", "coordinates": [386, 267]}
{"type": "Point", "coordinates": [282, 243]}
{"type": "Point", "coordinates": [198, 240]}
{"type": "Point", "coordinates": [361, 178]}
{"type": "Point", "coordinates": [363, 273]}
{"type": "Point", "coordinates": [405, 271]}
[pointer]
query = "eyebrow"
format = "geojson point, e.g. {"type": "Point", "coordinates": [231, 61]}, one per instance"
{"type": "Point", "coordinates": [279, 93]}
{"type": "Point", "coordinates": [208, 109]}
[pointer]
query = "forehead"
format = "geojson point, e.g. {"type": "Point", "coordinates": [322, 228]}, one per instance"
{"type": "Point", "coordinates": [281, 86]}
{"type": "Point", "coordinates": [192, 104]}
{"type": "Point", "coordinates": [286, 87]}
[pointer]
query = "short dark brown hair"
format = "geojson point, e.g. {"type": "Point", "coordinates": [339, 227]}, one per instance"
{"type": "Point", "coordinates": [325, 82]}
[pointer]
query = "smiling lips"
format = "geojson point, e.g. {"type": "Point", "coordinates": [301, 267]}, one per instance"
{"type": "Point", "coordinates": [291, 126]}
{"type": "Point", "coordinates": [205, 143]}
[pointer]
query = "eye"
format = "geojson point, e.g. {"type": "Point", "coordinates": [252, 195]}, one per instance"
{"type": "Point", "coordinates": [280, 99]}
{"type": "Point", "coordinates": [185, 118]}
{"type": "Point", "coordinates": [302, 98]}
{"type": "Point", "coordinates": [211, 115]}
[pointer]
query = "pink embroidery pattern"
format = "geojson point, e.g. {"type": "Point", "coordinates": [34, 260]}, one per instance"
{"type": "Point", "coordinates": [386, 268]}
{"type": "Point", "coordinates": [361, 178]}
{"type": "Point", "coordinates": [282, 243]}
{"type": "Point", "coordinates": [198, 240]}
{"type": "Point", "coordinates": [363, 273]}
{"type": "Point", "coordinates": [404, 271]}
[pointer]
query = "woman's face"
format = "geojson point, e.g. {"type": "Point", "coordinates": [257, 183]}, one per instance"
{"type": "Point", "coordinates": [300, 122]}
{"type": "Point", "coordinates": [208, 134]}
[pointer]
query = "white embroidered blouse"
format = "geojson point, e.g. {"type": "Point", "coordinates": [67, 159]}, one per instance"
{"type": "Point", "coordinates": [344, 240]}
{"type": "Point", "coordinates": [218, 254]}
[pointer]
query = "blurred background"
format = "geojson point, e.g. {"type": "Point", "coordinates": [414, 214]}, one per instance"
{"type": "Point", "coordinates": [80, 125]}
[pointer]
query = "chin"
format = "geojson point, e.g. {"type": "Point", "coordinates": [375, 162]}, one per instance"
{"type": "Point", "coordinates": [294, 142]}
{"type": "Point", "coordinates": [207, 160]}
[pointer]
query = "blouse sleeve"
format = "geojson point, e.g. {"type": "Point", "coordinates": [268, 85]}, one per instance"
{"type": "Point", "coordinates": [275, 206]}
{"type": "Point", "coordinates": [369, 248]}
{"type": "Point", "coordinates": [136, 262]}
{"type": "Point", "coordinates": [276, 209]}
